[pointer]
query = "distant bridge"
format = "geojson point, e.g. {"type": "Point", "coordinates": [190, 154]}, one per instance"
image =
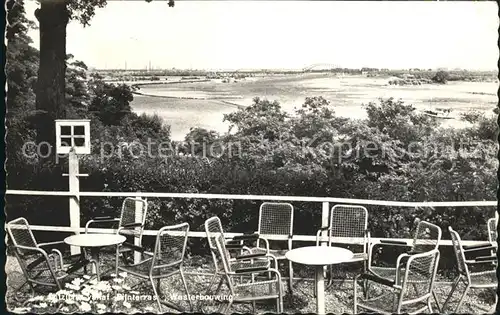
{"type": "Point", "coordinates": [321, 66]}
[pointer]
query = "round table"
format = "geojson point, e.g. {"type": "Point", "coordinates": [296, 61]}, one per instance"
{"type": "Point", "coordinates": [94, 242]}
{"type": "Point", "coordinates": [319, 256]}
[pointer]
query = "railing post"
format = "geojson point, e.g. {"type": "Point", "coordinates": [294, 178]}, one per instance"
{"type": "Point", "coordinates": [74, 201]}
{"type": "Point", "coordinates": [320, 277]}
{"type": "Point", "coordinates": [325, 213]}
{"type": "Point", "coordinates": [138, 218]}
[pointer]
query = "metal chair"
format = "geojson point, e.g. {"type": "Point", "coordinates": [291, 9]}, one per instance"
{"type": "Point", "coordinates": [409, 292]}
{"type": "Point", "coordinates": [213, 229]}
{"type": "Point", "coordinates": [351, 223]}
{"type": "Point", "coordinates": [426, 238]}
{"type": "Point", "coordinates": [490, 245]}
{"type": "Point", "coordinates": [276, 222]}
{"type": "Point", "coordinates": [38, 266]}
{"type": "Point", "coordinates": [130, 224]}
{"type": "Point", "coordinates": [484, 279]}
{"type": "Point", "coordinates": [165, 261]}
{"type": "Point", "coordinates": [251, 290]}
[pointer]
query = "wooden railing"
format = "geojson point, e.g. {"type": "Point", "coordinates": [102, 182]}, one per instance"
{"type": "Point", "coordinates": [325, 209]}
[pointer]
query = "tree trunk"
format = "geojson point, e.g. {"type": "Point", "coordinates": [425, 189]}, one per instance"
{"type": "Point", "coordinates": [50, 95]}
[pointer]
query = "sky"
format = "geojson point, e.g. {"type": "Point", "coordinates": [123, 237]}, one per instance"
{"type": "Point", "coordinates": [286, 34]}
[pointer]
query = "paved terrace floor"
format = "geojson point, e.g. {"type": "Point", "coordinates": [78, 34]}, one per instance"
{"type": "Point", "coordinates": [339, 298]}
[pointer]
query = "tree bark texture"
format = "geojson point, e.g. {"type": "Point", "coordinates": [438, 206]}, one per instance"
{"type": "Point", "coordinates": [50, 95]}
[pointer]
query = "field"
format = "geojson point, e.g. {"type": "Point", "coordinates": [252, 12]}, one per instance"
{"type": "Point", "coordinates": [202, 104]}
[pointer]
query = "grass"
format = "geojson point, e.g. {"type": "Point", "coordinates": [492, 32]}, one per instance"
{"type": "Point", "coordinates": [339, 298]}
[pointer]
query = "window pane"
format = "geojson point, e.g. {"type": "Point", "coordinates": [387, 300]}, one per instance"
{"type": "Point", "coordinates": [65, 130]}
{"type": "Point", "coordinates": [78, 130]}
{"type": "Point", "coordinates": [79, 142]}
{"type": "Point", "coordinates": [65, 142]}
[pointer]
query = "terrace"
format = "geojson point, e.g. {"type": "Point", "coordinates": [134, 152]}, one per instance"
{"type": "Point", "coordinates": [199, 268]}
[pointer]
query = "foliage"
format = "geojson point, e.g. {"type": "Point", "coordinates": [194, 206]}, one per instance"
{"type": "Point", "coordinates": [77, 93]}
{"type": "Point", "coordinates": [394, 154]}
{"type": "Point", "coordinates": [110, 103]}
{"type": "Point", "coordinates": [83, 11]}
{"type": "Point", "coordinates": [263, 119]}
{"type": "Point", "coordinates": [273, 159]}
{"type": "Point", "coordinates": [21, 71]}
{"type": "Point", "coordinates": [472, 116]}
{"type": "Point", "coordinates": [441, 77]}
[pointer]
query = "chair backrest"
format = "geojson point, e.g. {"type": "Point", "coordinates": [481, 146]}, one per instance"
{"type": "Point", "coordinates": [419, 271]}
{"type": "Point", "coordinates": [170, 246]}
{"type": "Point", "coordinates": [492, 230]}
{"type": "Point", "coordinates": [222, 254]}
{"type": "Point", "coordinates": [33, 260]}
{"type": "Point", "coordinates": [213, 228]}
{"type": "Point", "coordinates": [426, 237]}
{"type": "Point", "coordinates": [459, 252]}
{"type": "Point", "coordinates": [134, 210]}
{"type": "Point", "coordinates": [348, 221]}
{"type": "Point", "coordinates": [21, 235]}
{"type": "Point", "coordinates": [276, 219]}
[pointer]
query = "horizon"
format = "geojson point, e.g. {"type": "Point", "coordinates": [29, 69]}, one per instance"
{"type": "Point", "coordinates": [201, 35]}
{"type": "Point", "coordinates": [287, 69]}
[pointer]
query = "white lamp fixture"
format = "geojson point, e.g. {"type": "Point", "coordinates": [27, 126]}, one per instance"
{"type": "Point", "coordinates": [73, 133]}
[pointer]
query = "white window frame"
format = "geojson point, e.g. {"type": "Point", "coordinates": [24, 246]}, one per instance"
{"type": "Point", "coordinates": [72, 123]}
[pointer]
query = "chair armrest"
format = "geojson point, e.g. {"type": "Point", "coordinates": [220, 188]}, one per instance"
{"type": "Point", "coordinates": [35, 262]}
{"type": "Point", "coordinates": [368, 236]}
{"type": "Point", "coordinates": [132, 225]}
{"type": "Point", "coordinates": [35, 249]}
{"type": "Point", "coordinates": [486, 258]}
{"type": "Point", "coordinates": [79, 264]}
{"type": "Point", "coordinates": [251, 270]}
{"type": "Point", "coordinates": [391, 242]}
{"type": "Point", "coordinates": [252, 236]}
{"type": "Point", "coordinates": [136, 248]}
{"type": "Point", "coordinates": [478, 247]}
{"type": "Point", "coordinates": [377, 279]}
{"type": "Point", "coordinates": [104, 218]}
{"type": "Point", "coordinates": [51, 243]}
{"type": "Point", "coordinates": [383, 243]}
{"type": "Point", "coordinates": [482, 259]}
{"type": "Point", "coordinates": [319, 237]}
{"type": "Point", "coordinates": [99, 219]}
{"type": "Point", "coordinates": [74, 255]}
{"type": "Point", "coordinates": [234, 246]}
{"type": "Point", "coordinates": [401, 262]}
{"type": "Point", "coordinates": [248, 256]}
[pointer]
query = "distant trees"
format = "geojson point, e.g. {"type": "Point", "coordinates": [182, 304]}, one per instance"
{"type": "Point", "coordinates": [77, 93]}
{"type": "Point", "coordinates": [110, 103]}
{"type": "Point", "coordinates": [441, 77]}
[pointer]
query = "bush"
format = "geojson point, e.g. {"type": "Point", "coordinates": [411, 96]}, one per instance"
{"type": "Point", "coordinates": [441, 77]}
{"type": "Point", "coordinates": [273, 160]}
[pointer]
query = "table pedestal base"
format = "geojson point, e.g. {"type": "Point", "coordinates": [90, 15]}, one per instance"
{"type": "Point", "coordinates": [94, 254]}
{"type": "Point", "coordinates": [320, 291]}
